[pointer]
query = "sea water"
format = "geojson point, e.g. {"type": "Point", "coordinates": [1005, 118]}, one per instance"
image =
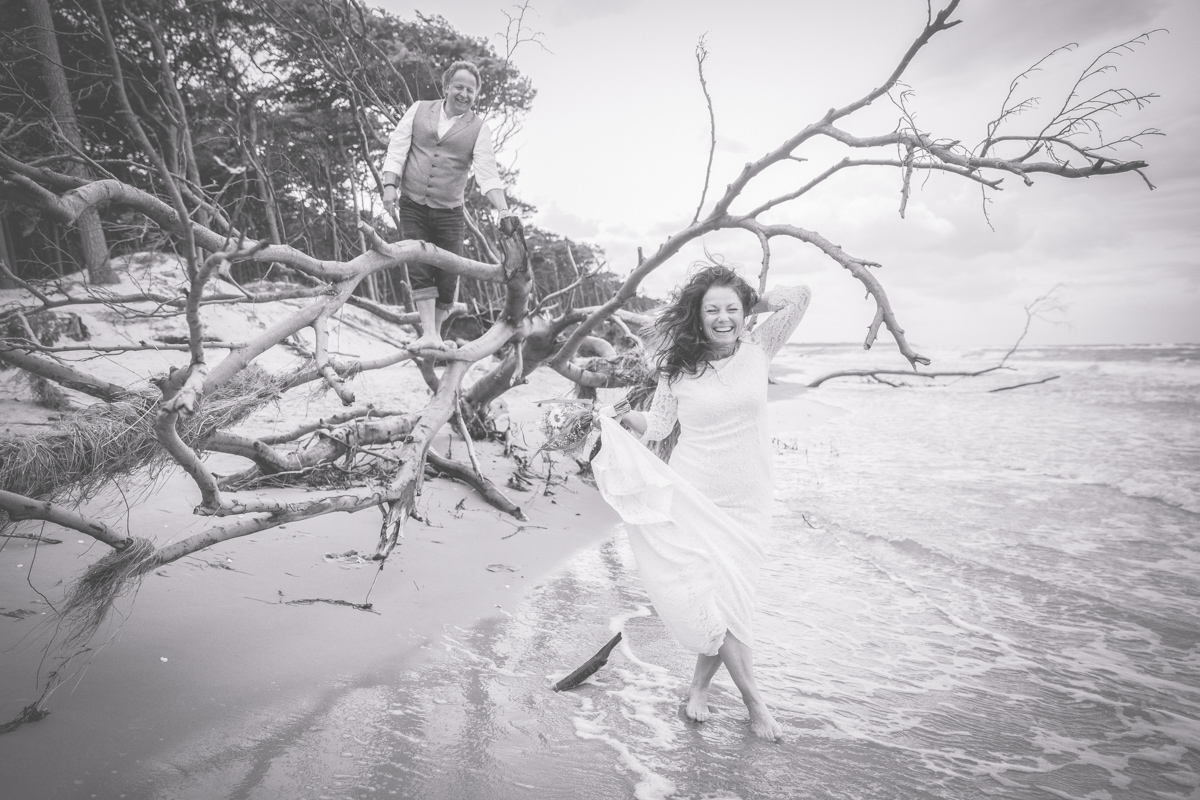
{"type": "Point", "coordinates": [966, 594]}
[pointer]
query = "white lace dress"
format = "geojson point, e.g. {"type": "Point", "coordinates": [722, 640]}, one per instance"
{"type": "Point", "coordinates": [696, 526]}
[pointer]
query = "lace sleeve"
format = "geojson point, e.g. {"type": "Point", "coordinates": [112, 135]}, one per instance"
{"type": "Point", "coordinates": [660, 419]}
{"type": "Point", "coordinates": [788, 304]}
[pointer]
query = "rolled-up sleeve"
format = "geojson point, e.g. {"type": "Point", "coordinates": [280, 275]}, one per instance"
{"type": "Point", "coordinates": [400, 142]}
{"type": "Point", "coordinates": [483, 158]}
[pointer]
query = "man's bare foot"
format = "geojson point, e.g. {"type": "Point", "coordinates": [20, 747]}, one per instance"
{"type": "Point", "coordinates": [697, 705]}
{"type": "Point", "coordinates": [428, 343]}
{"type": "Point", "coordinates": [763, 724]}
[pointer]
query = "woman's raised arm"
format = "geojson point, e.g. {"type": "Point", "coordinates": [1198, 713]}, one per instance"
{"type": "Point", "coordinates": [788, 304]}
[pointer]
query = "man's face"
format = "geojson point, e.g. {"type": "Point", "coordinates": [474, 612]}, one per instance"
{"type": "Point", "coordinates": [460, 93]}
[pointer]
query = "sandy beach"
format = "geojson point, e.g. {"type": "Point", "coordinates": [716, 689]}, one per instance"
{"type": "Point", "coordinates": [210, 651]}
{"type": "Point", "coordinates": [215, 645]}
{"type": "Point", "coordinates": [209, 648]}
{"type": "Point", "coordinates": [966, 593]}
{"type": "Point", "coordinates": [959, 585]}
{"type": "Point", "coordinates": [225, 646]}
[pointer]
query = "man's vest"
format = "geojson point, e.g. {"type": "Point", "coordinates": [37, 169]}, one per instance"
{"type": "Point", "coordinates": [435, 173]}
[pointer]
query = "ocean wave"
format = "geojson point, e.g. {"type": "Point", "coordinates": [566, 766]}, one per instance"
{"type": "Point", "coordinates": [1177, 488]}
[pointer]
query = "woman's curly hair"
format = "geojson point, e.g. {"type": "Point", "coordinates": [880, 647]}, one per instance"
{"type": "Point", "coordinates": [686, 350]}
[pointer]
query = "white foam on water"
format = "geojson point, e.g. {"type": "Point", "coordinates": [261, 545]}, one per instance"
{"type": "Point", "coordinates": [1099, 794]}
{"type": "Point", "coordinates": [652, 785]}
{"type": "Point", "coordinates": [640, 699]}
{"type": "Point", "coordinates": [1155, 723]}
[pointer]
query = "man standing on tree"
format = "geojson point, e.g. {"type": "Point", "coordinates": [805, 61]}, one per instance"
{"type": "Point", "coordinates": [429, 157]}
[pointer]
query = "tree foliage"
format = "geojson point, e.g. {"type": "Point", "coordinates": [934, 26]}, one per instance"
{"type": "Point", "coordinates": [275, 111]}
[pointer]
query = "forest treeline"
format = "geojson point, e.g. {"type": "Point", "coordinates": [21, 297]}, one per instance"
{"type": "Point", "coordinates": [273, 113]}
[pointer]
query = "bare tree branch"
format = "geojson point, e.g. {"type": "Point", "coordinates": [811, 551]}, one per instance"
{"type": "Point", "coordinates": [859, 268]}
{"type": "Point", "coordinates": [701, 56]}
{"type": "Point", "coordinates": [61, 374]}
{"type": "Point", "coordinates": [19, 507]}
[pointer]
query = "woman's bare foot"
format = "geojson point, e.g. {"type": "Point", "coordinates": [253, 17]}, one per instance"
{"type": "Point", "coordinates": [763, 724]}
{"type": "Point", "coordinates": [697, 705]}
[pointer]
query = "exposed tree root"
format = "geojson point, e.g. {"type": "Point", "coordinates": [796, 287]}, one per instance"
{"type": "Point", "coordinates": [91, 596]}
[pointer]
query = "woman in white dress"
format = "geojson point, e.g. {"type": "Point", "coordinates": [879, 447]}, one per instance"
{"type": "Point", "coordinates": [696, 527]}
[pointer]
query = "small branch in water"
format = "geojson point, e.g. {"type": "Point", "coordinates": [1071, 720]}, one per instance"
{"type": "Point", "coordinates": [589, 667]}
{"type": "Point", "coordinates": [875, 373]}
{"type": "Point", "coordinates": [1019, 385]}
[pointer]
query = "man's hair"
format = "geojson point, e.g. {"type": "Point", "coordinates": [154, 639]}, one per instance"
{"type": "Point", "coordinates": [461, 65]}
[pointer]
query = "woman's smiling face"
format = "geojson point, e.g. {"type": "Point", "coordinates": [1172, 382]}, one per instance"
{"type": "Point", "coordinates": [722, 316]}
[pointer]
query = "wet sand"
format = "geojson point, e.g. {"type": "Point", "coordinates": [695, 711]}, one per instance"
{"type": "Point", "coordinates": [208, 653]}
{"type": "Point", "coordinates": [206, 678]}
{"type": "Point", "coordinates": [209, 650]}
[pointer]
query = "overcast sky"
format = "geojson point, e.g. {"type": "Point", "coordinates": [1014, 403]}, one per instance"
{"type": "Point", "coordinates": [614, 150]}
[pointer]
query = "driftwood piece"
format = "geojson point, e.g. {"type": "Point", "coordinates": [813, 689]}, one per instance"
{"type": "Point", "coordinates": [475, 480]}
{"type": "Point", "coordinates": [589, 667]}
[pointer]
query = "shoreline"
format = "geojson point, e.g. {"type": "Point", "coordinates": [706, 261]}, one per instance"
{"type": "Point", "coordinates": [209, 651]}
{"type": "Point", "coordinates": [915, 564]}
{"type": "Point", "coordinates": [208, 646]}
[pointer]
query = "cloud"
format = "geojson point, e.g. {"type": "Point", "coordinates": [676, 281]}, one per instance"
{"type": "Point", "coordinates": [615, 148]}
{"type": "Point", "coordinates": [574, 12]}
{"type": "Point", "coordinates": [727, 144]}
{"type": "Point", "coordinates": [554, 218]}
{"type": "Point", "coordinates": [1033, 23]}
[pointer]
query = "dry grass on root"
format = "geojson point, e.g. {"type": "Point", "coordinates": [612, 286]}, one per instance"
{"type": "Point", "coordinates": [91, 596]}
{"type": "Point", "coordinates": [329, 475]}
{"type": "Point", "coordinates": [110, 440]}
{"type": "Point", "coordinates": [87, 604]}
